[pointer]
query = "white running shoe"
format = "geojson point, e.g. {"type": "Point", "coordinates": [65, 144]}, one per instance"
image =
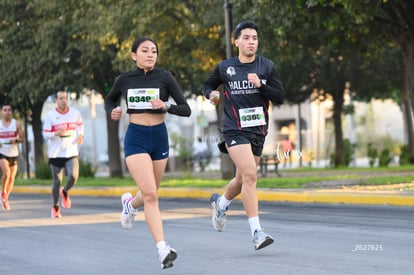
{"type": "Point", "coordinates": [218, 218]}
{"type": "Point", "coordinates": [167, 256]}
{"type": "Point", "coordinates": [128, 213]}
{"type": "Point", "coordinates": [261, 239]}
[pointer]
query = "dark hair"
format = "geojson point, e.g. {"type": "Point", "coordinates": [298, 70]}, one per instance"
{"type": "Point", "coordinates": [61, 91]}
{"type": "Point", "coordinates": [6, 104]}
{"type": "Point", "coordinates": [140, 40]}
{"type": "Point", "coordinates": [244, 25]}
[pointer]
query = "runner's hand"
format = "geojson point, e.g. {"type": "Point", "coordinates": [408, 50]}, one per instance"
{"type": "Point", "coordinates": [80, 139]}
{"type": "Point", "coordinates": [158, 104]}
{"type": "Point", "coordinates": [116, 113]}
{"type": "Point", "coordinates": [254, 78]}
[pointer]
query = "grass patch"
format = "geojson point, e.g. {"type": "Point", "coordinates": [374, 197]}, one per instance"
{"type": "Point", "coordinates": [386, 180]}
{"type": "Point", "coordinates": [282, 182]}
{"type": "Point", "coordinates": [293, 178]}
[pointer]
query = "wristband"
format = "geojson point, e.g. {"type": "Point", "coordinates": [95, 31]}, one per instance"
{"type": "Point", "coordinates": [167, 105]}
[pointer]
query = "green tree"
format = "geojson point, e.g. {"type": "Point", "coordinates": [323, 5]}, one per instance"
{"type": "Point", "coordinates": [35, 60]}
{"type": "Point", "coordinates": [388, 23]}
{"type": "Point", "coordinates": [396, 18]}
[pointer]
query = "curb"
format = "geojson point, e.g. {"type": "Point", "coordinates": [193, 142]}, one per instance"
{"type": "Point", "coordinates": [335, 196]}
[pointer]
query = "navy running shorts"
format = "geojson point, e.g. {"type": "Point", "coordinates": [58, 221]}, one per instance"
{"type": "Point", "coordinates": [152, 140]}
{"type": "Point", "coordinates": [233, 138]}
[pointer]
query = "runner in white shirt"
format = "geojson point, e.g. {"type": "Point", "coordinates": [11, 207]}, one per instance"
{"type": "Point", "coordinates": [11, 133]}
{"type": "Point", "coordinates": [63, 130]}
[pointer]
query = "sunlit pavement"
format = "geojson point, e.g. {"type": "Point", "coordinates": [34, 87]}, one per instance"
{"type": "Point", "coordinates": [104, 218]}
{"type": "Point", "coordinates": [310, 238]}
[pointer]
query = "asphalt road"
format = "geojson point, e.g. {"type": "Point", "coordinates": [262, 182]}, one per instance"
{"type": "Point", "coordinates": [310, 239]}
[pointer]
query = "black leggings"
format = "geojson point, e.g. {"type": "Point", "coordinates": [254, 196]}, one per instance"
{"type": "Point", "coordinates": [72, 172]}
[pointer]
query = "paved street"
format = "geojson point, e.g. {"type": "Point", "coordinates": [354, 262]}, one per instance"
{"type": "Point", "coordinates": [310, 239]}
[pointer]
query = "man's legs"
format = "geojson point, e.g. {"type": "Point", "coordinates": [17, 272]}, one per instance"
{"type": "Point", "coordinates": [10, 183]}
{"type": "Point", "coordinates": [245, 183]}
{"type": "Point", "coordinates": [5, 182]}
{"type": "Point", "coordinates": [5, 169]}
{"type": "Point", "coordinates": [8, 186]}
{"type": "Point", "coordinates": [57, 179]}
{"type": "Point", "coordinates": [246, 178]}
{"type": "Point", "coordinates": [72, 170]}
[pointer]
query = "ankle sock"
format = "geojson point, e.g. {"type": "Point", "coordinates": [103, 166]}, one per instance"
{"type": "Point", "coordinates": [130, 207]}
{"type": "Point", "coordinates": [223, 203]}
{"type": "Point", "coordinates": [161, 245]}
{"type": "Point", "coordinates": [254, 224]}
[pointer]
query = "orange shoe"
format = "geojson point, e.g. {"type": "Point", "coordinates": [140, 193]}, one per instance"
{"type": "Point", "coordinates": [66, 202]}
{"type": "Point", "coordinates": [5, 201]}
{"type": "Point", "coordinates": [56, 212]}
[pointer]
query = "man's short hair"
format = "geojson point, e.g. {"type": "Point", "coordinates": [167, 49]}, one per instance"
{"type": "Point", "coordinates": [244, 25]}
{"type": "Point", "coordinates": [5, 104]}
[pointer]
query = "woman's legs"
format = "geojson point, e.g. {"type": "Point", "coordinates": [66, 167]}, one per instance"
{"type": "Point", "coordinates": [148, 175]}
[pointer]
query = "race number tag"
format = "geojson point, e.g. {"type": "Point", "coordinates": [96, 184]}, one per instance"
{"type": "Point", "coordinates": [250, 117]}
{"type": "Point", "coordinates": [141, 98]}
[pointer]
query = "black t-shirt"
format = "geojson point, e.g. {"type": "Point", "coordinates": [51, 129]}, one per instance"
{"type": "Point", "coordinates": [246, 106]}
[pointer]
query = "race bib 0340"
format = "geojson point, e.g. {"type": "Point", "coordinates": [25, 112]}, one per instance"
{"type": "Point", "coordinates": [141, 98]}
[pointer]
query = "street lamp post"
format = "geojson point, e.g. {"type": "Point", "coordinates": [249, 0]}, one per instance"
{"type": "Point", "coordinates": [92, 105]}
{"type": "Point", "coordinates": [26, 145]}
{"type": "Point", "coordinates": [227, 166]}
{"type": "Point", "coordinates": [228, 26]}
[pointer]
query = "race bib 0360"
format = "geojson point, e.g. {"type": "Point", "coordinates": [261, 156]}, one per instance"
{"type": "Point", "coordinates": [250, 117]}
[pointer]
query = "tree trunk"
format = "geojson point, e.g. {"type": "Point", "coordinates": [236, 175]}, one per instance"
{"type": "Point", "coordinates": [114, 156]}
{"type": "Point", "coordinates": [338, 97]}
{"type": "Point", "coordinates": [37, 132]}
{"type": "Point", "coordinates": [226, 164]}
{"type": "Point", "coordinates": [408, 65]}
{"type": "Point", "coordinates": [408, 114]}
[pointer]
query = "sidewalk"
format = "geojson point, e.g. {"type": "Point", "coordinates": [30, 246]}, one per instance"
{"type": "Point", "coordinates": [397, 194]}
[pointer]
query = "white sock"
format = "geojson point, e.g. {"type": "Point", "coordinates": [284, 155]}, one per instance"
{"type": "Point", "coordinates": [161, 245]}
{"type": "Point", "coordinates": [254, 224]}
{"type": "Point", "coordinates": [130, 207]}
{"type": "Point", "coordinates": [223, 203]}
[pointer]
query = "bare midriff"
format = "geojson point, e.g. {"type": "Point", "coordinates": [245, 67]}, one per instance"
{"type": "Point", "coordinates": [147, 119]}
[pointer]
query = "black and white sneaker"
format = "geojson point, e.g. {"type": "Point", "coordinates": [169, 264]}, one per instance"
{"type": "Point", "coordinates": [261, 239]}
{"type": "Point", "coordinates": [167, 256]}
{"type": "Point", "coordinates": [218, 218]}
